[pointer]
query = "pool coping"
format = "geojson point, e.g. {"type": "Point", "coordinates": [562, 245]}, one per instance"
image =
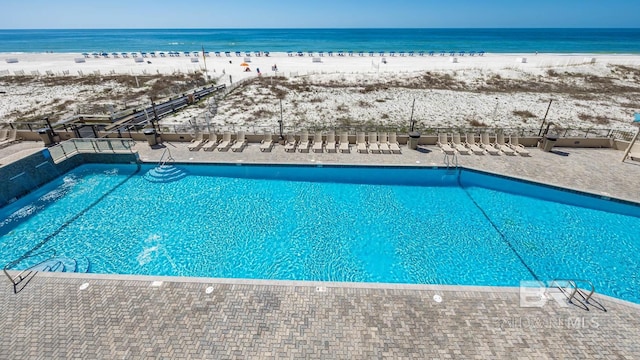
{"type": "Point", "coordinates": [321, 286]}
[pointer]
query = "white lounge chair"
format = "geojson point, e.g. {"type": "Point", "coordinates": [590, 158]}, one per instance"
{"type": "Point", "coordinates": [226, 142]}
{"type": "Point", "coordinates": [212, 143]}
{"type": "Point", "coordinates": [317, 142]}
{"type": "Point", "coordinates": [443, 143]}
{"type": "Point", "coordinates": [3, 134]}
{"type": "Point", "coordinates": [393, 144]}
{"type": "Point", "coordinates": [383, 144]}
{"type": "Point", "coordinates": [361, 144]}
{"type": "Point", "coordinates": [487, 145]}
{"type": "Point", "coordinates": [197, 142]}
{"type": "Point", "coordinates": [331, 142]}
{"type": "Point", "coordinates": [344, 142]}
{"type": "Point", "coordinates": [457, 143]}
{"type": "Point", "coordinates": [267, 142]}
{"type": "Point", "coordinates": [240, 143]}
{"type": "Point", "coordinates": [471, 144]}
{"type": "Point", "coordinates": [514, 143]}
{"type": "Point", "coordinates": [373, 142]}
{"type": "Point", "coordinates": [291, 143]}
{"type": "Point", "coordinates": [303, 145]}
{"type": "Point", "coordinates": [502, 146]}
{"type": "Point", "coordinates": [11, 138]}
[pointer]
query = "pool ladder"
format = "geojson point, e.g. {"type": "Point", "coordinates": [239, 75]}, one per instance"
{"type": "Point", "coordinates": [451, 160]}
{"type": "Point", "coordinates": [575, 295]}
{"type": "Point", "coordinates": [29, 273]}
{"type": "Point", "coordinates": [169, 158]}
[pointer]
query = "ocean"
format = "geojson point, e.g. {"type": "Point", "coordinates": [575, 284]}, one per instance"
{"type": "Point", "coordinates": [620, 41]}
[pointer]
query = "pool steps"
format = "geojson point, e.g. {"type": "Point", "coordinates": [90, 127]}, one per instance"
{"type": "Point", "coordinates": [165, 174]}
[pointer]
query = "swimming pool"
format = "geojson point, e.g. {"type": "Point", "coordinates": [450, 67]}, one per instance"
{"type": "Point", "coordinates": [328, 223]}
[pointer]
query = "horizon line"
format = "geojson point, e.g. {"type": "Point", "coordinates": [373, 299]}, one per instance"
{"type": "Point", "coordinates": [333, 28]}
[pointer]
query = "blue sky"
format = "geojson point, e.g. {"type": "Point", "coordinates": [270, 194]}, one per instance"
{"type": "Point", "coordinates": [46, 14]}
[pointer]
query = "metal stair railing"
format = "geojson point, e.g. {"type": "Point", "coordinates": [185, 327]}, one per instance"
{"type": "Point", "coordinates": [26, 273]}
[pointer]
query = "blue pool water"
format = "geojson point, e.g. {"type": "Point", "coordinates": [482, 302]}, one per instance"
{"type": "Point", "coordinates": [404, 225]}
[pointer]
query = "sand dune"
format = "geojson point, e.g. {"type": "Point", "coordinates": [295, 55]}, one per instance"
{"type": "Point", "coordinates": [496, 90]}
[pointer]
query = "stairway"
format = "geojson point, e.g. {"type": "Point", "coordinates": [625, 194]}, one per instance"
{"type": "Point", "coordinates": [164, 174]}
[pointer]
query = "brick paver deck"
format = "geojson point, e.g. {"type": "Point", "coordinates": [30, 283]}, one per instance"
{"type": "Point", "coordinates": [133, 317]}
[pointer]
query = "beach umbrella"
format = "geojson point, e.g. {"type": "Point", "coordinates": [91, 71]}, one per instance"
{"type": "Point", "coordinates": [244, 64]}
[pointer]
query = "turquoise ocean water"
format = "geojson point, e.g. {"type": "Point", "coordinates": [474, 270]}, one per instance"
{"type": "Point", "coordinates": [623, 41]}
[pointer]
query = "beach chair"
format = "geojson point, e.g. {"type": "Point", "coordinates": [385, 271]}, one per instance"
{"type": "Point", "coordinates": [383, 145]}
{"type": "Point", "coordinates": [344, 142]}
{"type": "Point", "coordinates": [444, 145]}
{"type": "Point", "coordinates": [514, 143]}
{"type": "Point", "coordinates": [361, 144]}
{"type": "Point", "coordinates": [393, 144]}
{"type": "Point", "coordinates": [3, 134]}
{"type": "Point", "coordinates": [500, 144]}
{"type": "Point", "coordinates": [212, 143]}
{"type": "Point", "coordinates": [471, 144]}
{"type": "Point", "coordinates": [10, 139]}
{"type": "Point", "coordinates": [487, 145]}
{"type": "Point", "coordinates": [331, 142]}
{"type": "Point", "coordinates": [303, 145]}
{"type": "Point", "coordinates": [267, 142]}
{"type": "Point", "coordinates": [317, 142]}
{"type": "Point", "coordinates": [373, 142]}
{"type": "Point", "coordinates": [291, 143]}
{"type": "Point", "coordinates": [240, 143]}
{"type": "Point", "coordinates": [226, 142]}
{"type": "Point", "coordinates": [463, 150]}
{"type": "Point", "coordinates": [197, 142]}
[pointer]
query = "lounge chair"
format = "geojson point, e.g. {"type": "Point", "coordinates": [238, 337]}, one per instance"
{"type": "Point", "coordinates": [344, 142]}
{"type": "Point", "coordinates": [487, 145]}
{"type": "Point", "coordinates": [444, 145]}
{"type": "Point", "coordinates": [212, 143]}
{"type": "Point", "coordinates": [267, 142]}
{"type": "Point", "coordinates": [373, 142]}
{"type": "Point", "coordinates": [240, 143]}
{"type": "Point", "coordinates": [197, 143]}
{"type": "Point", "coordinates": [361, 144]}
{"type": "Point", "coordinates": [514, 143]}
{"type": "Point", "coordinates": [303, 145]}
{"type": "Point", "coordinates": [317, 142]}
{"type": "Point", "coordinates": [502, 146]}
{"type": "Point", "coordinates": [11, 138]}
{"type": "Point", "coordinates": [291, 143]}
{"type": "Point", "coordinates": [331, 142]}
{"type": "Point", "coordinates": [383, 145]}
{"type": "Point", "coordinates": [3, 134]}
{"type": "Point", "coordinates": [393, 144]}
{"type": "Point", "coordinates": [226, 142]}
{"type": "Point", "coordinates": [463, 150]}
{"type": "Point", "coordinates": [471, 144]}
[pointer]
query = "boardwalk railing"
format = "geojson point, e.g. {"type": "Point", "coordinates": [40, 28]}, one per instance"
{"type": "Point", "coordinates": [72, 147]}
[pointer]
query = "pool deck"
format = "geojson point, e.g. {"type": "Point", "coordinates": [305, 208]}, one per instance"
{"type": "Point", "coordinates": [96, 316]}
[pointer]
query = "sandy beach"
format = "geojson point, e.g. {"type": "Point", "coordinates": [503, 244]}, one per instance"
{"type": "Point", "coordinates": [493, 90]}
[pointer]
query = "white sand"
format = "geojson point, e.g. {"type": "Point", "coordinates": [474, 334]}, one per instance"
{"type": "Point", "coordinates": [344, 101]}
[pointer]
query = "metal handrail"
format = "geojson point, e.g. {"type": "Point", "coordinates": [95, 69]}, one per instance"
{"type": "Point", "coordinates": [164, 161]}
{"type": "Point", "coordinates": [576, 290]}
{"type": "Point", "coordinates": [454, 159]}
{"type": "Point", "coordinates": [19, 278]}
